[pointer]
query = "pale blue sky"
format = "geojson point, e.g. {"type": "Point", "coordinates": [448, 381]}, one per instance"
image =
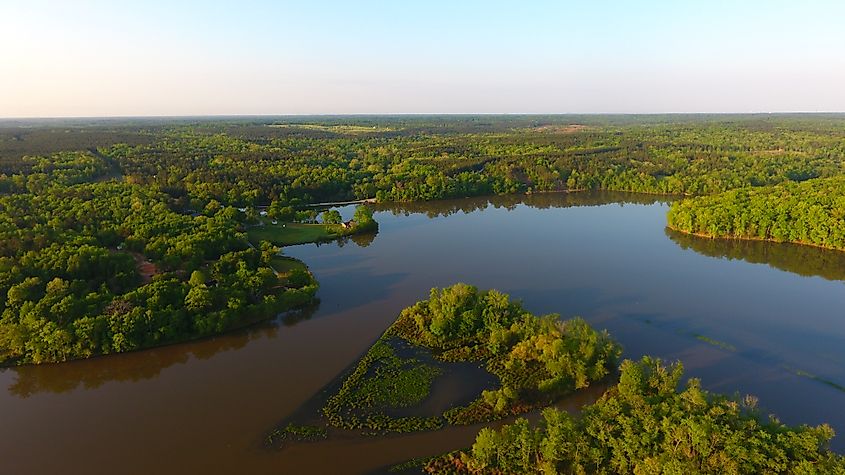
{"type": "Point", "coordinates": [96, 58]}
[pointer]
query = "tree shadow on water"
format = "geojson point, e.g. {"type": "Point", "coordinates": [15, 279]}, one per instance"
{"type": "Point", "coordinates": [144, 364]}
{"type": "Point", "coordinates": [806, 261]}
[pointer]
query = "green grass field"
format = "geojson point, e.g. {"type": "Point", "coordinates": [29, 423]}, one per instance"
{"type": "Point", "coordinates": [289, 234]}
{"type": "Point", "coordinates": [286, 265]}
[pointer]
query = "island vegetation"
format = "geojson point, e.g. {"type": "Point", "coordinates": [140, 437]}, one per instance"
{"type": "Point", "coordinates": [534, 361]}
{"type": "Point", "coordinates": [645, 425]}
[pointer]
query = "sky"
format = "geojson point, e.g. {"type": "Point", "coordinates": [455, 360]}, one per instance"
{"type": "Point", "coordinates": [78, 58]}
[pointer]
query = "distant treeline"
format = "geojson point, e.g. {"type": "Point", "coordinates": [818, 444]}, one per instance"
{"type": "Point", "coordinates": [412, 159]}
{"type": "Point", "coordinates": [668, 158]}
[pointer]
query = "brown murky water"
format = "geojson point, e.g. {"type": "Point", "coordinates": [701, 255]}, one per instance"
{"type": "Point", "coordinates": [205, 407]}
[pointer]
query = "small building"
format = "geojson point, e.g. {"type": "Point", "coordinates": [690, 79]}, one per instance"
{"type": "Point", "coordinates": [262, 213]}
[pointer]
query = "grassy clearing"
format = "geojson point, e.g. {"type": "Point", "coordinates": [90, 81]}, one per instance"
{"type": "Point", "coordinates": [383, 381]}
{"type": "Point", "coordinates": [285, 265]}
{"type": "Point", "coordinates": [289, 234]}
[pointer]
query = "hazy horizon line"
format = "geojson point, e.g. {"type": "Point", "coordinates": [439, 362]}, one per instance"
{"type": "Point", "coordinates": [417, 114]}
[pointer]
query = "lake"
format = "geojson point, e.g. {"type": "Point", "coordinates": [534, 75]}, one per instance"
{"type": "Point", "coordinates": [745, 317]}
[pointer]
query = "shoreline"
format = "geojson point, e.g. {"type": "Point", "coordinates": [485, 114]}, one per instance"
{"type": "Point", "coordinates": [241, 326]}
{"type": "Point", "coordinates": [341, 203]}
{"type": "Point", "coordinates": [246, 323]}
{"type": "Point", "coordinates": [744, 238]}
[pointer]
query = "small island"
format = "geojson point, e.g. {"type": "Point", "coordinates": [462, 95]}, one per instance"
{"type": "Point", "coordinates": [520, 361]}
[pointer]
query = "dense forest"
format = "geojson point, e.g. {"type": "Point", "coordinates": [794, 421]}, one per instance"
{"type": "Point", "coordinates": [811, 212]}
{"type": "Point", "coordinates": [91, 266]}
{"type": "Point", "coordinates": [121, 234]}
{"type": "Point", "coordinates": [644, 425]}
